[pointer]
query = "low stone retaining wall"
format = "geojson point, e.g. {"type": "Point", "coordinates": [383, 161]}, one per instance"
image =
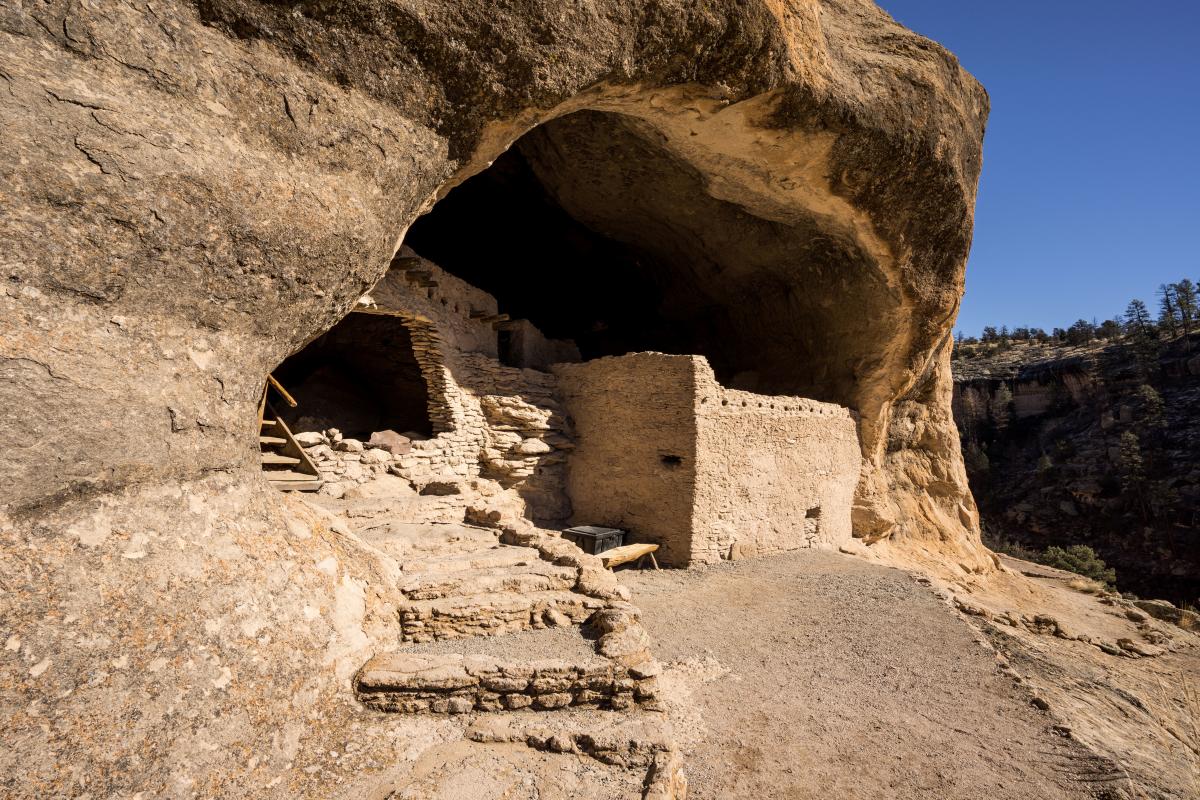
{"type": "Point", "coordinates": [457, 684]}
{"type": "Point", "coordinates": [492, 615]}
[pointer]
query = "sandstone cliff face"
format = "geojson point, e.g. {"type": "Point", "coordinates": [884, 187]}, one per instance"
{"type": "Point", "coordinates": [192, 191]}
{"type": "Point", "coordinates": [1057, 472]}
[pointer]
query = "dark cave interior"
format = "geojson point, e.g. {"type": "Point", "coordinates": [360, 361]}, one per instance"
{"type": "Point", "coordinates": [360, 377]}
{"type": "Point", "coordinates": [592, 229]}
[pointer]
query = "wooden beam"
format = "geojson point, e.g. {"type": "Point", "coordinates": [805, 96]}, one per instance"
{"type": "Point", "coordinates": [287, 398]}
{"type": "Point", "coordinates": [628, 553]}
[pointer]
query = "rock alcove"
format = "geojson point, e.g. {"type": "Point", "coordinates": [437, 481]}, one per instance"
{"type": "Point", "coordinates": [196, 190]}
{"type": "Point", "coordinates": [594, 230]}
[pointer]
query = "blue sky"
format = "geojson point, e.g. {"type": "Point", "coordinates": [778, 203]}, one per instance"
{"type": "Point", "coordinates": [1090, 192]}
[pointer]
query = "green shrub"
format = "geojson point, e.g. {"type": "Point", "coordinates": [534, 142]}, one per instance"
{"type": "Point", "coordinates": [1080, 559]}
{"type": "Point", "coordinates": [1011, 547]}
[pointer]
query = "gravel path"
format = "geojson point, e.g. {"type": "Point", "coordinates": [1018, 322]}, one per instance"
{"type": "Point", "coordinates": [816, 675]}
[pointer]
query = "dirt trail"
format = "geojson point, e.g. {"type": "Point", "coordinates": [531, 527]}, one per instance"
{"type": "Point", "coordinates": [816, 675]}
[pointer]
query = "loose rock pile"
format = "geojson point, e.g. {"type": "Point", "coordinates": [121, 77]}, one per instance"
{"type": "Point", "coordinates": [344, 463]}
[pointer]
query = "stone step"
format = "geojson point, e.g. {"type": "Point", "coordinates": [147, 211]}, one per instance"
{"type": "Point", "coordinates": [495, 557]}
{"type": "Point", "coordinates": [290, 475]}
{"type": "Point", "coordinates": [538, 577]}
{"type": "Point", "coordinates": [492, 614]}
{"type": "Point", "coordinates": [457, 684]}
{"type": "Point", "coordinates": [287, 480]}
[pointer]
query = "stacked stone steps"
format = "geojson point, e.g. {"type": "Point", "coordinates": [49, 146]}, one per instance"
{"type": "Point", "coordinates": [497, 556]}
{"type": "Point", "coordinates": [460, 603]}
{"type": "Point", "coordinates": [539, 577]}
{"type": "Point", "coordinates": [492, 614]}
{"type": "Point", "coordinates": [396, 513]}
{"type": "Point", "coordinates": [457, 684]}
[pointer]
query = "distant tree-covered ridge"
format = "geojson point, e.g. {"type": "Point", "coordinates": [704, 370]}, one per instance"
{"type": "Point", "coordinates": [1090, 437]}
{"type": "Point", "coordinates": [1178, 315]}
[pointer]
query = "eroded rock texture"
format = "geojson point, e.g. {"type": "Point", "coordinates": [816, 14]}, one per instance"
{"type": "Point", "coordinates": [192, 191]}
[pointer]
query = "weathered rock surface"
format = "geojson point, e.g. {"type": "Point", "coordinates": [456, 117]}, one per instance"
{"type": "Point", "coordinates": [192, 191]}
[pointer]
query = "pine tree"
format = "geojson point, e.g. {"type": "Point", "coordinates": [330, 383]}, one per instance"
{"type": "Point", "coordinates": [1137, 318]}
{"type": "Point", "coordinates": [1152, 404]}
{"type": "Point", "coordinates": [1185, 300]}
{"type": "Point", "coordinates": [1141, 340]}
{"type": "Point", "coordinates": [1081, 332]}
{"type": "Point", "coordinates": [1001, 407]}
{"type": "Point", "coordinates": [1132, 469]}
{"type": "Point", "coordinates": [1109, 329]}
{"type": "Point", "coordinates": [1168, 317]}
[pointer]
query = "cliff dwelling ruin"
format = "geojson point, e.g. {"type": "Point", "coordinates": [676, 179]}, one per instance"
{"type": "Point", "coordinates": [545, 328]}
{"type": "Point", "coordinates": [685, 272]}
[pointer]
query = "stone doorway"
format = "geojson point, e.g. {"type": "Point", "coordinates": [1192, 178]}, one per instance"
{"type": "Point", "coordinates": [360, 377]}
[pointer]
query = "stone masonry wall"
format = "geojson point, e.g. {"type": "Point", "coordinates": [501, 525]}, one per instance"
{"type": "Point", "coordinates": [708, 473]}
{"type": "Point", "coordinates": [634, 466]}
{"type": "Point", "coordinates": [773, 473]}
{"type": "Point", "coordinates": [529, 347]}
{"type": "Point", "coordinates": [489, 419]}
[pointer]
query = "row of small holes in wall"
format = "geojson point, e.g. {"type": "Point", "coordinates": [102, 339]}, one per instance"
{"type": "Point", "coordinates": [773, 406]}
{"type": "Point", "coordinates": [432, 294]}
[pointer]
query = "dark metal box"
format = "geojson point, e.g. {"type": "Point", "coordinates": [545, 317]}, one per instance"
{"type": "Point", "coordinates": [594, 539]}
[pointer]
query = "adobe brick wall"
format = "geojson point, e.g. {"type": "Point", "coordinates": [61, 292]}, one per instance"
{"type": "Point", "coordinates": [708, 473]}
{"type": "Point", "coordinates": [774, 473]}
{"type": "Point", "coordinates": [628, 413]}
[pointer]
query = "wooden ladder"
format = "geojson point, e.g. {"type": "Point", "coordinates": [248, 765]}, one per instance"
{"type": "Point", "coordinates": [284, 461]}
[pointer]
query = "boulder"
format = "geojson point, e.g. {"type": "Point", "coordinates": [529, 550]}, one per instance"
{"type": "Point", "coordinates": [394, 443]}
{"type": "Point", "coordinates": [1169, 612]}
{"type": "Point", "coordinates": [376, 456]}
{"type": "Point", "coordinates": [382, 486]}
{"type": "Point", "coordinates": [1142, 649]}
{"type": "Point", "coordinates": [310, 438]}
{"type": "Point", "coordinates": [533, 447]}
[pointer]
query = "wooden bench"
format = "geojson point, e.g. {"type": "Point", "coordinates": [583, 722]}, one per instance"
{"type": "Point", "coordinates": [629, 553]}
